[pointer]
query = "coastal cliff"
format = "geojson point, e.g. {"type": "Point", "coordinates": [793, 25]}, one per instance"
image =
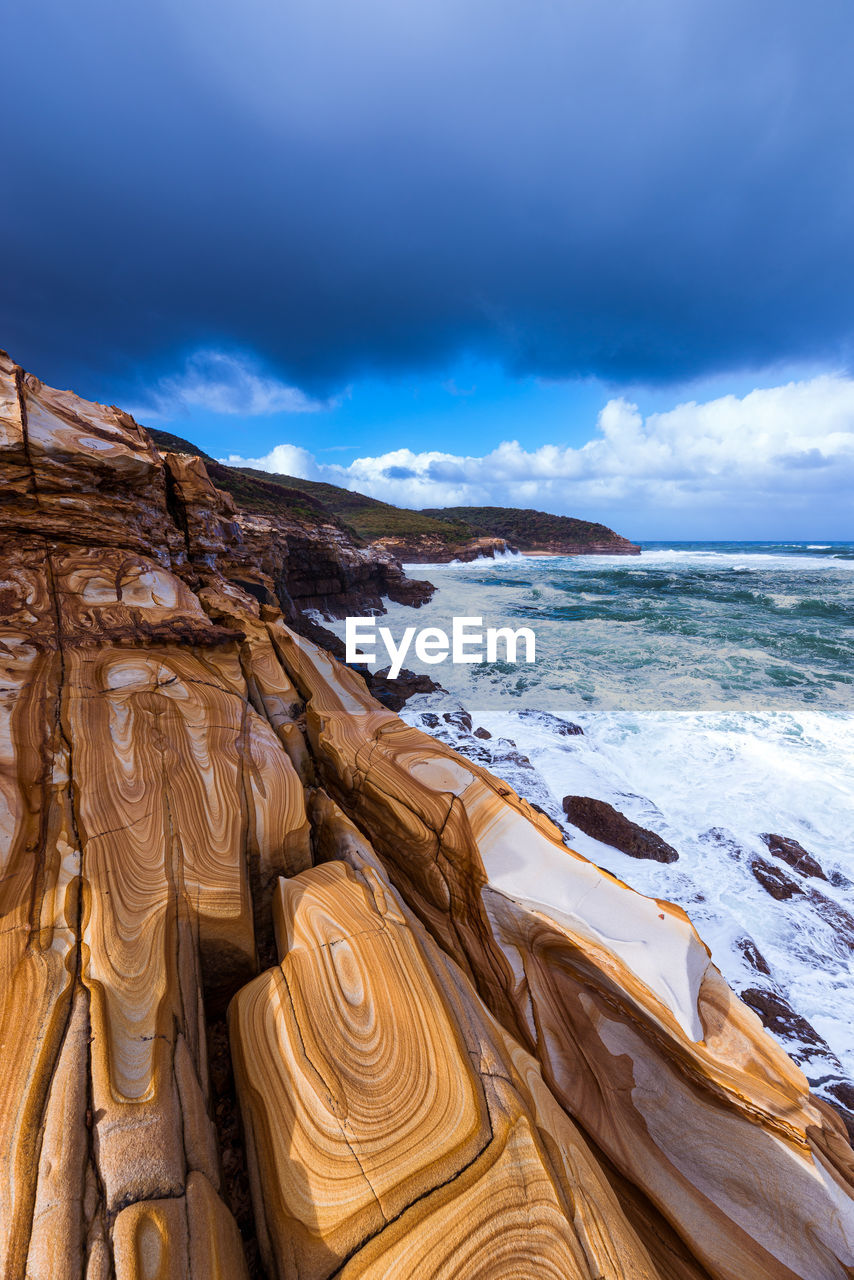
{"type": "Point", "coordinates": [428, 548]}
{"type": "Point", "coordinates": [431, 536]}
{"type": "Point", "coordinates": [293, 990]}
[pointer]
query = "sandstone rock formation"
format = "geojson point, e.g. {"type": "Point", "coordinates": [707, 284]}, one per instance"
{"type": "Point", "coordinates": [460, 1049]}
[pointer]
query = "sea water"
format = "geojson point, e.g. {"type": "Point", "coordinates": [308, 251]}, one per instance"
{"type": "Point", "coordinates": [714, 683]}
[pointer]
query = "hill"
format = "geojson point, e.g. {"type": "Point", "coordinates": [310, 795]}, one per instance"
{"type": "Point", "coordinates": [531, 530]}
{"type": "Point", "coordinates": [368, 519]}
{"type": "Point", "coordinates": [435, 534]}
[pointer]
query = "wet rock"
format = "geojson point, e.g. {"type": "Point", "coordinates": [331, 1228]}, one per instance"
{"type": "Point", "coordinates": [395, 693]}
{"type": "Point", "coordinates": [603, 822]}
{"type": "Point", "coordinates": [459, 719]}
{"type": "Point", "coordinates": [753, 955]}
{"type": "Point", "coordinates": [564, 728]}
{"type": "Point", "coordinates": [833, 913]}
{"type": "Point", "coordinates": [482, 733]}
{"type": "Point", "coordinates": [778, 1016]}
{"type": "Point", "coordinates": [774, 880]}
{"type": "Point", "coordinates": [842, 1096]}
{"type": "Point", "coordinates": [517, 758]}
{"type": "Point", "coordinates": [794, 854]}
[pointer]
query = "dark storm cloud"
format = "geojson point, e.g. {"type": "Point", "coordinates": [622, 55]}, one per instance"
{"type": "Point", "coordinates": [640, 190]}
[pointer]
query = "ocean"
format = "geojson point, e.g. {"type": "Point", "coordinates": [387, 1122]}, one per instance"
{"type": "Point", "coordinates": [714, 684]}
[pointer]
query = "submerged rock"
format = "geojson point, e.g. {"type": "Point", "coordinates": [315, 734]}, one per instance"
{"type": "Point", "coordinates": [779, 1016]}
{"type": "Point", "coordinates": [563, 728]}
{"type": "Point", "coordinates": [753, 955]}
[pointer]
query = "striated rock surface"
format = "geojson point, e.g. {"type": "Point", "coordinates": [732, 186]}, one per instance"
{"type": "Point", "coordinates": [407, 1133]}
{"type": "Point", "coordinates": [459, 1048]}
{"type": "Point", "coordinates": [638, 1035]}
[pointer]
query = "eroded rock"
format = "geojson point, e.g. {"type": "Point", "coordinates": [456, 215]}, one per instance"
{"type": "Point", "coordinates": [639, 1037]}
{"type": "Point", "coordinates": [408, 1133]}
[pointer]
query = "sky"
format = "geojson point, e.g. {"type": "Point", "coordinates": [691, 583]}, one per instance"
{"type": "Point", "coordinates": [591, 256]}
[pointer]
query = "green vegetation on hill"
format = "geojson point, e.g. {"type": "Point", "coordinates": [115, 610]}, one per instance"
{"type": "Point", "coordinates": [256, 490]}
{"type": "Point", "coordinates": [266, 493]}
{"type": "Point", "coordinates": [367, 519]}
{"type": "Point", "coordinates": [525, 528]}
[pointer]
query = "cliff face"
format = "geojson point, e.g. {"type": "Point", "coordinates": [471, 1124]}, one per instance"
{"type": "Point", "coordinates": [425, 548]}
{"type": "Point", "coordinates": [458, 1048]}
{"type": "Point", "coordinates": [280, 545]}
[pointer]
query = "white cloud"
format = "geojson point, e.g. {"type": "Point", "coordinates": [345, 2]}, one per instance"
{"type": "Point", "coordinates": [284, 459]}
{"type": "Point", "coordinates": [789, 444]}
{"type": "Point", "coordinates": [223, 382]}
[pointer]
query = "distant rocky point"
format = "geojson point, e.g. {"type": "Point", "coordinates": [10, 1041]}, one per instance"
{"type": "Point", "coordinates": [539, 532]}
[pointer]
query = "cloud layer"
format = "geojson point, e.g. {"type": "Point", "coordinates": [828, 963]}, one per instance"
{"type": "Point", "coordinates": [782, 456]}
{"type": "Point", "coordinates": [224, 383]}
{"type": "Point", "coordinates": [636, 189]}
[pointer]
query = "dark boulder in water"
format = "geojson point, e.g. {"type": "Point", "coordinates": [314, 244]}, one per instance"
{"type": "Point", "coordinates": [778, 1017]}
{"type": "Point", "coordinates": [393, 692]}
{"type": "Point", "coordinates": [794, 854]}
{"type": "Point", "coordinates": [564, 728]}
{"type": "Point", "coordinates": [774, 880]}
{"type": "Point", "coordinates": [753, 955]}
{"type": "Point", "coordinates": [459, 719]}
{"type": "Point", "coordinates": [603, 822]}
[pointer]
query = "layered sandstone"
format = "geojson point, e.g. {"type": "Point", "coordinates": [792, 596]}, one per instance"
{"type": "Point", "coordinates": [460, 1049]}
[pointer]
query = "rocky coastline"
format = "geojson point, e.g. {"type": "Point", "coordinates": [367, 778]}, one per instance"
{"type": "Point", "coordinates": [429, 549]}
{"type": "Point", "coordinates": [291, 989]}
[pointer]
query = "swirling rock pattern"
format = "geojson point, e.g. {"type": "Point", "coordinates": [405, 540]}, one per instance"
{"type": "Point", "coordinates": [638, 1035]}
{"type": "Point", "coordinates": [394, 1126]}
{"type": "Point", "coordinates": [460, 1049]}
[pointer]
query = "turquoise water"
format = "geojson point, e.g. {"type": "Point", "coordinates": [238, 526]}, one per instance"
{"type": "Point", "coordinates": [689, 625]}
